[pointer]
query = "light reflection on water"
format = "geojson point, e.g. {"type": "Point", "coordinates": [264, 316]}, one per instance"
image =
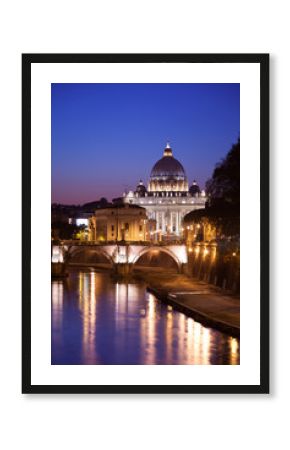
{"type": "Point", "coordinates": [96, 320]}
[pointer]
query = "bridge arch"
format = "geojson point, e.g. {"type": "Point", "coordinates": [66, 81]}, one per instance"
{"type": "Point", "coordinates": [159, 249]}
{"type": "Point", "coordinates": [86, 251]}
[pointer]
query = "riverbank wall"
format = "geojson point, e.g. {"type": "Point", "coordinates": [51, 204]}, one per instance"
{"type": "Point", "coordinates": [217, 264]}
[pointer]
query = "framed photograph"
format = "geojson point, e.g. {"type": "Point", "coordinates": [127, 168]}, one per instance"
{"type": "Point", "coordinates": [145, 228]}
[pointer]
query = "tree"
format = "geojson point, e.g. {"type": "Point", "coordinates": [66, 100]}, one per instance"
{"type": "Point", "coordinates": [223, 188]}
{"type": "Point", "coordinates": [103, 202]}
{"type": "Point", "coordinates": [63, 230]}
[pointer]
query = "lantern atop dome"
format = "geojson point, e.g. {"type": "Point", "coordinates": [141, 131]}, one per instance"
{"type": "Point", "coordinates": [167, 150]}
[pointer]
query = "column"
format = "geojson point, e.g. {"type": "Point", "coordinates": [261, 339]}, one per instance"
{"type": "Point", "coordinates": [177, 222]}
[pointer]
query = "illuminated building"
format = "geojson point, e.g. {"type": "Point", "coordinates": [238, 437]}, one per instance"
{"type": "Point", "coordinates": [168, 198]}
{"type": "Point", "coordinates": [121, 223]}
{"type": "Point", "coordinates": [79, 221]}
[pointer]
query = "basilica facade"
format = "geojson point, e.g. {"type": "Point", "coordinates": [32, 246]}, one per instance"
{"type": "Point", "coordinates": [168, 197]}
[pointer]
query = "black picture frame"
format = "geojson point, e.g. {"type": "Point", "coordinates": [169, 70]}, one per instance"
{"type": "Point", "coordinates": [263, 61]}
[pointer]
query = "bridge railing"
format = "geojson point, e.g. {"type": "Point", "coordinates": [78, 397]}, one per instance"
{"type": "Point", "coordinates": [102, 243]}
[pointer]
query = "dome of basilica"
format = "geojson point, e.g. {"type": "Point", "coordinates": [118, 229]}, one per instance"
{"type": "Point", "coordinates": [168, 166]}
{"type": "Point", "coordinates": [168, 174]}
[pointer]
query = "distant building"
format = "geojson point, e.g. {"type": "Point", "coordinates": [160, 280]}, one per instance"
{"type": "Point", "coordinates": [81, 220]}
{"type": "Point", "coordinates": [168, 198]}
{"type": "Point", "coordinates": [123, 222]}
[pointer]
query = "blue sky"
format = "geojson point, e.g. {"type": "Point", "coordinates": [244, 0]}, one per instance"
{"type": "Point", "coordinates": [105, 137]}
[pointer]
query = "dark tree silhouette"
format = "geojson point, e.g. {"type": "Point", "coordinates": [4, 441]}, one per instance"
{"type": "Point", "coordinates": [223, 191]}
{"type": "Point", "coordinates": [63, 230]}
{"type": "Point", "coordinates": [223, 188]}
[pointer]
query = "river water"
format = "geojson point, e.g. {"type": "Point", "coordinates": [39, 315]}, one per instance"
{"type": "Point", "coordinates": [96, 320]}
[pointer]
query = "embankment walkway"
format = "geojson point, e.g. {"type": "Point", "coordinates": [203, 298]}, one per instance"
{"type": "Point", "coordinates": [197, 299]}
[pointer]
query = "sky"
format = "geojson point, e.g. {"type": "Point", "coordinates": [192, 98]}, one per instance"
{"type": "Point", "coordinates": [106, 137]}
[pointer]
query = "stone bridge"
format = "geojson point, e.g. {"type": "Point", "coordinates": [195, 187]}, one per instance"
{"type": "Point", "coordinates": [122, 256]}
